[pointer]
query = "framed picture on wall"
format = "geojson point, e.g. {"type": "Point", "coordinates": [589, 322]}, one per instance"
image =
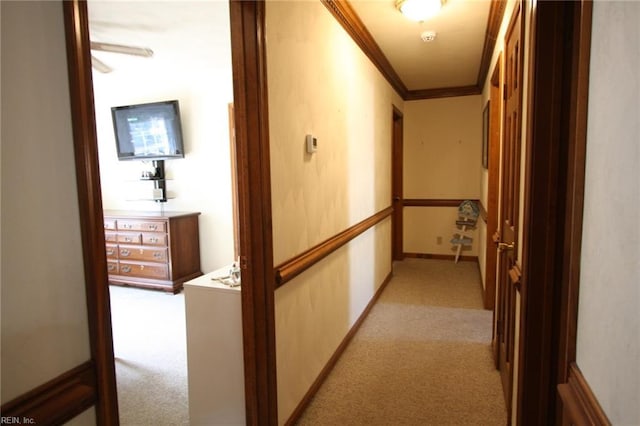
{"type": "Point", "coordinates": [485, 137]}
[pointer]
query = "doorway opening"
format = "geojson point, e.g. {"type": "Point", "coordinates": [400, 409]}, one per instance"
{"type": "Point", "coordinates": [192, 65]}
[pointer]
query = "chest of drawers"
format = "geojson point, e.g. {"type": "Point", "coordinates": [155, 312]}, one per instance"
{"type": "Point", "coordinates": [152, 250]}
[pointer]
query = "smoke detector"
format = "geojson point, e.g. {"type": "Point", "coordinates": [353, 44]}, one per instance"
{"type": "Point", "coordinates": [428, 36]}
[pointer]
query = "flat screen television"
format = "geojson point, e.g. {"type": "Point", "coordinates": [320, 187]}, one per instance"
{"type": "Point", "coordinates": [151, 131]}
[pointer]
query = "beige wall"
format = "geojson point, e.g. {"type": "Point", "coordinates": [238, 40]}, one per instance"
{"type": "Point", "coordinates": [44, 318]}
{"type": "Point", "coordinates": [442, 159]}
{"type": "Point", "coordinates": [201, 80]}
{"type": "Point", "coordinates": [321, 83]}
{"type": "Point", "coordinates": [608, 341]}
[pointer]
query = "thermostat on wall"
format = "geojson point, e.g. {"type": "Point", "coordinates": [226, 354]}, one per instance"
{"type": "Point", "coordinates": [312, 144]}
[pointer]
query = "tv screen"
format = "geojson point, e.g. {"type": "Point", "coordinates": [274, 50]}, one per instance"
{"type": "Point", "coordinates": [148, 131]}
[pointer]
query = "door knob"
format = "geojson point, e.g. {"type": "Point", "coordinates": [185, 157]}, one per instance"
{"type": "Point", "coordinates": [505, 246]}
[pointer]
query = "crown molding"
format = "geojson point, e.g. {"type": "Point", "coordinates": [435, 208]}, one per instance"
{"type": "Point", "coordinates": [442, 92]}
{"type": "Point", "coordinates": [494, 21]}
{"type": "Point", "coordinates": [347, 17]}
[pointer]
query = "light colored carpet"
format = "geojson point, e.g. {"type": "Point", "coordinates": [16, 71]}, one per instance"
{"type": "Point", "coordinates": [149, 338]}
{"type": "Point", "coordinates": [422, 356]}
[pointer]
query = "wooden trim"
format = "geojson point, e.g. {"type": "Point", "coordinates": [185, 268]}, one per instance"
{"type": "Point", "coordinates": [57, 401]}
{"type": "Point", "coordinates": [577, 136]}
{"type": "Point", "coordinates": [90, 208]}
{"type": "Point", "coordinates": [493, 183]}
{"type": "Point", "coordinates": [435, 202]}
{"type": "Point", "coordinates": [247, 20]}
{"type": "Point", "coordinates": [336, 356]}
{"type": "Point", "coordinates": [288, 270]}
{"type": "Point", "coordinates": [451, 257]}
{"type": "Point", "coordinates": [579, 404]}
{"type": "Point", "coordinates": [553, 204]}
{"type": "Point", "coordinates": [347, 17]}
{"type": "Point", "coordinates": [442, 92]}
{"type": "Point", "coordinates": [494, 21]}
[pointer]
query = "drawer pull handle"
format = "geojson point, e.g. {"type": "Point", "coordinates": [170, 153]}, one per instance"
{"type": "Point", "coordinates": [125, 252]}
{"type": "Point", "coordinates": [154, 227]}
{"type": "Point", "coordinates": [110, 252]}
{"type": "Point", "coordinates": [126, 226]}
{"type": "Point", "coordinates": [111, 267]}
{"type": "Point", "coordinates": [126, 269]}
{"type": "Point", "coordinates": [153, 240]}
{"type": "Point", "coordinates": [157, 255]}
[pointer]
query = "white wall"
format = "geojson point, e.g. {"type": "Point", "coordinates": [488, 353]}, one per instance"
{"type": "Point", "coordinates": [347, 104]}
{"type": "Point", "coordinates": [608, 341]}
{"type": "Point", "coordinates": [201, 79]}
{"type": "Point", "coordinates": [442, 159]}
{"type": "Point", "coordinates": [44, 317]}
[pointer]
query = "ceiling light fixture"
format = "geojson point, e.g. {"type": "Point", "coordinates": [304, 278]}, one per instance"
{"type": "Point", "coordinates": [419, 10]}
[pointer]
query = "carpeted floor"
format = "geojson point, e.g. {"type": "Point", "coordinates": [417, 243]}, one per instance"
{"type": "Point", "coordinates": [422, 356]}
{"type": "Point", "coordinates": [149, 338]}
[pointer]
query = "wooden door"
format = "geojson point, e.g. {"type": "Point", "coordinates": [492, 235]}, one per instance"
{"type": "Point", "coordinates": [508, 270]}
{"type": "Point", "coordinates": [396, 185]}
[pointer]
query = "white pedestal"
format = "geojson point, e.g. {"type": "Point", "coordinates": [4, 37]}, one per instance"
{"type": "Point", "coordinates": [214, 352]}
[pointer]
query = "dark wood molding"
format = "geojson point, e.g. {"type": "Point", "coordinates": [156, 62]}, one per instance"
{"type": "Point", "coordinates": [90, 208]}
{"type": "Point", "coordinates": [247, 20]}
{"type": "Point", "coordinates": [579, 404]}
{"type": "Point", "coordinates": [336, 356]}
{"type": "Point", "coordinates": [288, 270]}
{"type": "Point", "coordinates": [346, 16]}
{"type": "Point", "coordinates": [57, 401]}
{"type": "Point", "coordinates": [494, 21]}
{"type": "Point", "coordinates": [442, 92]}
{"type": "Point", "coordinates": [397, 190]}
{"type": "Point", "coordinates": [553, 204]}
{"type": "Point", "coordinates": [434, 202]}
{"type": "Point", "coordinates": [451, 257]}
{"type": "Point", "coordinates": [493, 183]}
{"type": "Point", "coordinates": [575, 171]}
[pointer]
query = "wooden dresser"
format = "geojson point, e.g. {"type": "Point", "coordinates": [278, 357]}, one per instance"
{"type": "Point", "coordinates": [152, 250]}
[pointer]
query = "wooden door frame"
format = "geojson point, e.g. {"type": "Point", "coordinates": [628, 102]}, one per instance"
{"type": "Point", "coordinates": [554, 182]}
{"type": "Point", "coordinates": [493, 185]}
{"type": "Point", "coordinates": [254, 208]}
{"type": "Point", "coordinates": [397, 176]}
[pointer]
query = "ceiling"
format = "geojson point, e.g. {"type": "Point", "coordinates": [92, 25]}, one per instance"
{"type": "Point", "coordinates": [415, 68]}
{"type": "Point", "coordinates": [451, 60]}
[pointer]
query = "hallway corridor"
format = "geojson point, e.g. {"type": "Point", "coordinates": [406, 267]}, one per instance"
{"type": "Point", "coordinates": [421, 357]}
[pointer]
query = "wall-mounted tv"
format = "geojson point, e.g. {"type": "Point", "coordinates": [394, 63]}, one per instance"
{"type": "Point", "coordinates": [151, 131]}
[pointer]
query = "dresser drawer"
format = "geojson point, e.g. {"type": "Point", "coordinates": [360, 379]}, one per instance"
{"type": "Point", "coordinates": [129, 237]}
{"type": "Point", "coordinates": [150, 254]}
{"type": "Point", "coordinates": [147, 270]}
{"type": "Point", "coordinates": [112, 251]}
{"type": "Point", "coordinates": [111, 237]}
{"type": "Point", "coordinates": [153, 239]}
{"type": "Point", "coordinates": [112, 267]}
{"type": "Point", "coordinates": [142, 225]}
